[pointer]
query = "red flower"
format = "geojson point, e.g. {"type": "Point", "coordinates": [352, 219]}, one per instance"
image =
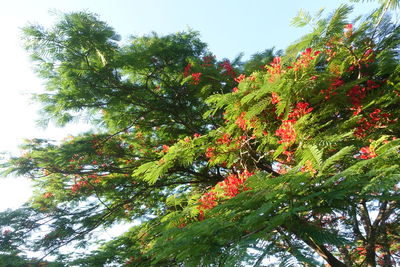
{"type": "Point", "coordinates": [165, 148]}
{"type": "Point", "coordinates": [226, 65]}
{"type": "Point", "coordinates": [196, 77]}
{"type": "Point", "coordinates": [281, 169]}
{"type": "Point", "coordinates": [368, 52]}
{"type": "Point", "coordinates": [286, 132]}
{"type": "Point", "coordinates": [78, 185]}
{"type": "Point", "coordinates": [241, 121]}
{"type": "Point", "coordinates": [305, 58]}
{"type": "Point", "coordinates": [367, 152]}
{"type": "Point", "coordinates": [289, 155]}
{"type": "Point", "coordinates": [207, 61]}
{"type": "Point", "coordinates": [349, 30]}
{"type": "Point", "coordinates": [225, 139]}
{"type": "Point", "coordinates": [336, 83]}
{"type": "Point", "coordinates": [234, 184]}
{"type": "Point", "coordinates": [210, 152]}
{"type": "Point", "coordinates": [274, 69]}
{"type": "Point", "coordinates": [208, 200]}
{"type": "Point", "coordinates": [357, 93]}
{"type": "Point", "coordinates": [240, 78]}
{"type": "Point", "coordinates": [48, 194]}
{"type": "Point", "coordinates": [349, 27]}
{"type": "Point", "coordinates": [375, 115]}
{"type": "Point", "coordinates": [275, 98]}
{"type": "Point", "coordinates": [300, 110]}
{"type": "Point", "coordinates": [372, 85]}
{"type": "Point", "coordinates": [308, 167]}
{"type": "Point", "coordinates": [376, 119]}
{"type": "Point", "coordinates": [186, 71]}
{"type": "Point", "coordinates": [231, 186]}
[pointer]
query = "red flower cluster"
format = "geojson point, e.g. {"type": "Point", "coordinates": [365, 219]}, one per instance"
{"type": "Point", "coordinates": [304, 60]}
{"type": "Point", "coordinates": [208, 200]}
{"type": "Point", "coordinates": [308, 167]}
{"type": "Point", "coordinates": [94, 178]}
{"type": "Point", "coordinates": [240, 78]}
{"type": "Point", "coordinates": [289, 155]}
{"type": "Point", "coordinates": [186, 71]}
{"type": "Point", "coordinates": [241, 121]}
{"type": "Point", "coordinates": [48, 195]}
{"type": "Point", "coordinates": [348, 30]}
{"type": "Point", "coordinates": [226, 65]}
{"type": "Point", "coordinates": [165, 148]}
{"type": "Point", "coordinates": [368, 57]}
{"type": "Point", "coordinates": [231, 186]}
{"type": "Point", "coordinates": [78, 185]}
{"type": "Point", "coordinates": [336, 83]}
{"type": "Point", "coordinates": [196, 78]}
{"type": "Point", "coordinates": [275, 98]}
{"type": "Point", "coordinates": [367, 152]}
{"type": "Point", "coordinates": [274, 69]}
{"type": "Point", "coordinates": [357, 93]}
{"type": "Point", "coordinates": [210, 152]}
{"type": "Point", "coordinates": [286, 132]}
{"type": "Point", "coordinates": [281, 168]}
{"type": "Point", "coordinates": [207, 61]}
{"type": "Point", "coordinates": [376, 119]}
{"type": "Point", "coordinates": [300, 110]}
{"type": "Point", "coordinates": [225, 139]}
{"type": "Point", "coordinates": [368, 52]}
{"type": "Point", "coordinates": [234, 184]}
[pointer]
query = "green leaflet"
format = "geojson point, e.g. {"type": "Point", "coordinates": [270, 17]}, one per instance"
{"type": "Point", "coordinates": [257, 108]}
{"type": "Point", "coordinates": [337, 157]}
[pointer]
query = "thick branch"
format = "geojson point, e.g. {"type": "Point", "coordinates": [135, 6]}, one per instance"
{"type": "Point", "coordinates": [323, 252]}
{"type": "Point", "coordinates": [318, 248]}
{"type": "Point", "coordinates": [356, 228]}
{"type": "Point", "coordinates": [365, 218]}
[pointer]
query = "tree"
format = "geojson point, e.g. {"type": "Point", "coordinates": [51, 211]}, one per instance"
{"type": "Point", "coordinates": [299, 160]}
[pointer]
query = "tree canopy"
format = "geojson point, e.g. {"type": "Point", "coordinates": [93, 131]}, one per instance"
{"type": "Point", "coordinates": [291, 156]}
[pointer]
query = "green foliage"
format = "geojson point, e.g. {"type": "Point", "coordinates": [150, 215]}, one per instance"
{"type": "Point", "coordinates": [216, 163]}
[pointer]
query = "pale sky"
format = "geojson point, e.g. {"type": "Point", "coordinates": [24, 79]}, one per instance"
{"type": "Point", "coordinates": [229, 27]}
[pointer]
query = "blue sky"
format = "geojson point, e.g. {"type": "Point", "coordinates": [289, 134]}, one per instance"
{"type": "Point", "coordinates": [229, 27]}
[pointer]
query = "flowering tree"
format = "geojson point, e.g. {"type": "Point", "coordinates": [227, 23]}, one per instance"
{"type": "Point", "coordinates": [218, 163]}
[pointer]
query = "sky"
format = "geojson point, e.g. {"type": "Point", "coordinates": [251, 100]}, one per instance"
{"type": "Point", "coordinates": [229, 28]}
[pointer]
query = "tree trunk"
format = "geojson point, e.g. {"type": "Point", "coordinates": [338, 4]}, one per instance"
{"type": "Point", "coordinates": [370, 256]}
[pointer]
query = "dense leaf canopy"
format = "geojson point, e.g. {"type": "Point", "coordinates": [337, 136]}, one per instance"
{"type": "Point", "coordinates": [291, 157]}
